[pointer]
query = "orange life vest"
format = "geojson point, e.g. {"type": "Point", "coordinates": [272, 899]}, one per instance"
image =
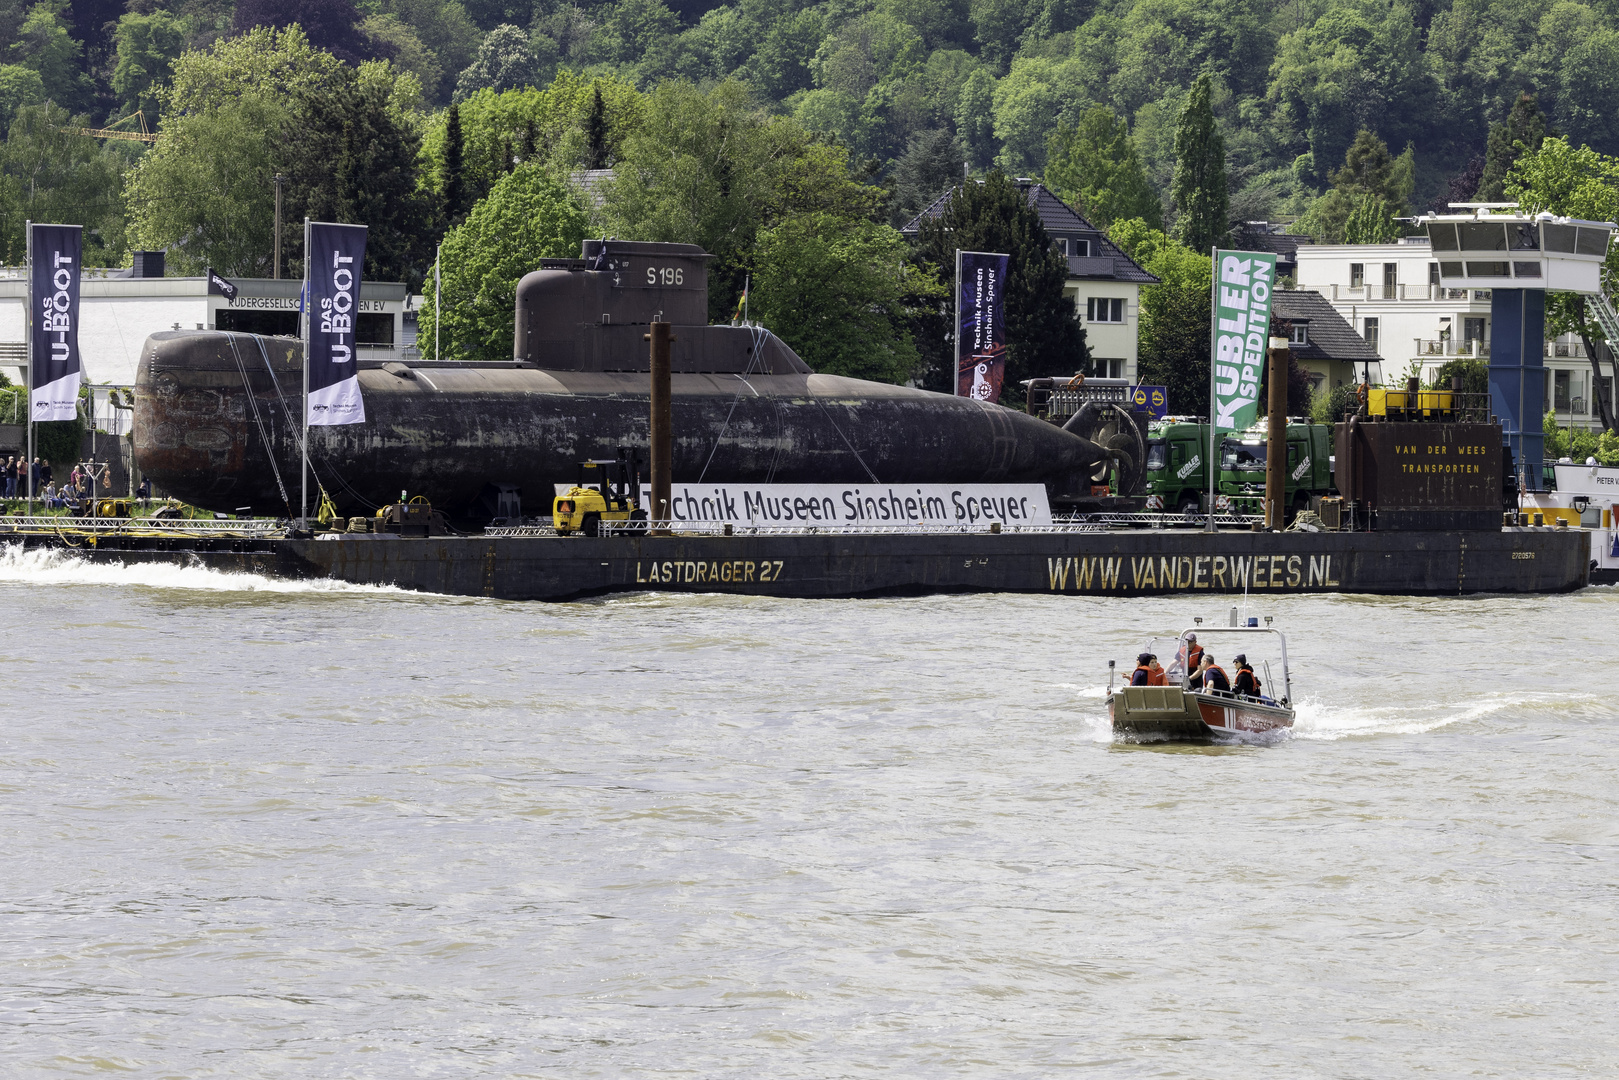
{"type": "Point", "coordinates": [1207, 681]}
{"type": "Point", "coordinates": [1157, 678]}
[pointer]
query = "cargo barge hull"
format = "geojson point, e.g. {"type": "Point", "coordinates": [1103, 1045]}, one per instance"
{"type": "Point", "coordinates": [831, 565]}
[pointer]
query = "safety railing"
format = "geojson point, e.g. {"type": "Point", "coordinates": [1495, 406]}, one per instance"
{"type": "Point", "coordinates": [47, 523]}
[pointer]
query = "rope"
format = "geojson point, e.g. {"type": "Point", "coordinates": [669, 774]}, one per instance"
{"type": "Point", "coordinates": [258, 419]}
{"type": "Point", "coordinates": [297, 429]}
{"type": "Point", "coordinates": [753, 355]}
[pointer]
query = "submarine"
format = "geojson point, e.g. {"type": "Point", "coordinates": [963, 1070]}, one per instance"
{"type": "Point", "coordinates": [217, 415]}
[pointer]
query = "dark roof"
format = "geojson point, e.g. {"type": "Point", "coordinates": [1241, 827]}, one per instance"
{"type": "Point", "coordinates": [1060, 219]}
{"type": "Point", "coordinates": [1249, 239]}
{"type": "Point", "coordinates": [1331, 338]}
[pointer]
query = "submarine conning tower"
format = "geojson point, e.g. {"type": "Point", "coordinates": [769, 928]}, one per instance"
{"type": "Point", "coordinates": [589, 314]}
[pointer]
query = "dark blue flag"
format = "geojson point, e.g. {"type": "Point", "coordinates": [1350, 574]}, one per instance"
{"type": "Point", "coordinates": [53, 304]}
{"type": "Point", "coordinates": [336, 254]}
{"type": "Point", "coordinates": [980, 324]}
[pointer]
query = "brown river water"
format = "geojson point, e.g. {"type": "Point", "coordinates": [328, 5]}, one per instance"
{"type": "Point", "coordinates": [262, 829]}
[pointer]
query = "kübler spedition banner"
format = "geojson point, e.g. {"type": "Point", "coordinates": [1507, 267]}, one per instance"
{"type": "Point", "coordinates": [981, 324]}
{"type": "Point", "coordinates": [54, 366]}
{"type": "Point", "coordinates": [336, 254]}
{"type": "Point", "coordinates": [1243, 281]}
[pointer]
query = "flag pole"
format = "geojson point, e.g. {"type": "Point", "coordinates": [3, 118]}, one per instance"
{"type": "Point", "coordinates": [438, 306]}
{"type": "Point", "coordinates": [1213, 462]}
{"type": "Point", "coordinates": [955, 329]}
{"type": "Point", "coordinates": [28, 368]}
{"type": "Point", "coordinates": [303, 459]}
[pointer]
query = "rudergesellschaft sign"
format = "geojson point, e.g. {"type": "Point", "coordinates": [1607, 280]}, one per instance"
{"type": "Point", "coordinates": [1243, 281]}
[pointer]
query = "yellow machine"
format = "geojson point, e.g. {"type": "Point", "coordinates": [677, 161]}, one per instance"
{"type": "Point", "coordinates": [608, 490]}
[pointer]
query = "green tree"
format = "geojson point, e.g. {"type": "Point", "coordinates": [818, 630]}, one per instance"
{"type": "Point", "coordinates": [451, 184]}
{"type": "Point", "coordinates": [19, 86]}
{"type": "Point", "coordinates": [1371, 188]}
{"type": "Point", "coordinates": [147, 46]}
{"type": "Point", "coordinates": [51, 174]}
{"type": "Point", "coordinates": [1199, 194]}
{"type": "Point", "coordinates": [930, 166]}
{"type": "Point", "coordinates": [1522, 133]}
{"type": "Point", "coordinates": [1173, 345]}
{"type": "Point", "coordinates": [1370, 221]}
{"type": "Point", "coordinates": [1581, 184]}
{"type": "Point", "coordinates": [975, 117]}
{"type": "Point", "coordinates": [504, 62]}
{"type": "Point", "coordinates": [713, 168]}
{"type": "Point", "coordinates": [842, 293]}
{"type": "Point", "coordinates": [1095, 167]}
{"type": "Point", "coordinates": [1044, 336]}
{"type": "Point", "coordinates": [527, 217]}
{"type": "Point", "coordinates": [407, 51]}
{"type": "Point", "coordinates": [349, 153]}
{"type": "Point", "coordinates": [45, 45]}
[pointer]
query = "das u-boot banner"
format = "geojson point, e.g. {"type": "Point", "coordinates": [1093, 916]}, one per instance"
{"type": "Point", "coordinates": [53, 303]}
{"type": "Point", "coordinates": [1243, 281]}
{"type": "Point", "coordinates": [980, 324]}
{"type": "Point", "coordinates": [332, 278]}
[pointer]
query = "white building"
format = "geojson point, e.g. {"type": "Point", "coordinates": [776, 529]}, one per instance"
{"type": "Point", "coordinates": [117, 313]}
{"type": "Point", "coordinates": [1103, 282]}
{"type": "Point", "coordinates": [1390, 294]}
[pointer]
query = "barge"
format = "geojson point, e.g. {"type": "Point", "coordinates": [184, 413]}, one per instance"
{"type": "Point", "coordinates": [816, 563]}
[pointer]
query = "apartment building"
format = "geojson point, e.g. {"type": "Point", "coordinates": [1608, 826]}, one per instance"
{"type": "Point", "coordinates": [1391, 296]}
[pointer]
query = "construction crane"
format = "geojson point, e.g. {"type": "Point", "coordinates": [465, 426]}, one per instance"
{"type": "Point", "coordinates": [144, 135]}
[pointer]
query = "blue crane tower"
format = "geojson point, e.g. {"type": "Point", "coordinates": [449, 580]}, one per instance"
{"type": "Point", "coordinates": [1519, 257]}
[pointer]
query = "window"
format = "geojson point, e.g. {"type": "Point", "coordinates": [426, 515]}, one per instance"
{"type": "Point", "coordinates": [1109, 367]}
{"type": "Point", "coordinates": [1371, 333]}
{"type": "Point", "coordinates": [1473, 330]}
{"type": "Point", "coordinates": [1062, 246]}
{"type": "Point", "coordinates": [1357, 275]}
{"type": "Point", "coordinates": [1391, 277]}
{"type": "Point", "coordinates": [1081, 249]}
{"type": "Point", "coordinates": [1299, 334]}
{"type": "Point", "coordinates": [1605, 390]}
{"type": "Point", "coordinates": [1560, 390]}
{"type": "Point", "coordinates": [1104, 309]}
{"type": "Point", "coordinates": [1433, 274]}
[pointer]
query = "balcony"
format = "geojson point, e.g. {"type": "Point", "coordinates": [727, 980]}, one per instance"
{"type": "Point", "coordinates": [1402, 293]}
{"type": "Point", "coordinates": [1448, 347]}
{"type": "Point", "coordinates": [1566, 350]}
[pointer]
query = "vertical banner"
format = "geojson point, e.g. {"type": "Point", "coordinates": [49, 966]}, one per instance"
{"type": "Point", "coordinates": [980, 324]}
{"type": "Point", "coordinates": [54, 368]}
{"type": "Point", "coordinates": [332, 274]}
{"type": "Point", "coordinates": [1243, 281]}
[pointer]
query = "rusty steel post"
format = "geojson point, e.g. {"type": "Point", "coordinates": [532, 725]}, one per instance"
{"type": "Point", "coordinates": [662, 436]}
{"type": "Point", "coordinates": [1276, 438]}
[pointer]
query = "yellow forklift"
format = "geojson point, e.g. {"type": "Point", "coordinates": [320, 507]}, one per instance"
{"type": "Point", "coordinates": [609, 489]}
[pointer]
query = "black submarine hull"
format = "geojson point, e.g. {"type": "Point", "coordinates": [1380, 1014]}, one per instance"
{"type": "Point", "coordinates": [833, 565]}
{"type": "Point", "coordinates": [217, 422]}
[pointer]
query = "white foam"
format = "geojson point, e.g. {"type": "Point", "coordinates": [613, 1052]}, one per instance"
{"type": "Point", "coordinates": [53, 566]}
{"type": "Point", "coordinates": [1318, 720]}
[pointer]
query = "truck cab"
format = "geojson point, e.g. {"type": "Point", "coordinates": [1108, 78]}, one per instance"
{"type": "Point", "coordinates": [1176, 470]}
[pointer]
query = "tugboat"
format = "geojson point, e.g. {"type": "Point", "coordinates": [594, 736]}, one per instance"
{"type": "Point", "coordinates": [1175, 710]}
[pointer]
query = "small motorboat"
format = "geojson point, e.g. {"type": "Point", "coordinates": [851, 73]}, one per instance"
{"type": "Point", "coordinates": [1178, 711]}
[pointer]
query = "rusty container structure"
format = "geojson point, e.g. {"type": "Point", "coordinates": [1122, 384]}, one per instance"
{"type": "Point", "coordinates": [1422, 459]}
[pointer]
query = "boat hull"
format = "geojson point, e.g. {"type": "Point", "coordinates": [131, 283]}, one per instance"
{"type": "Point", "coordinates": [1168, 713]}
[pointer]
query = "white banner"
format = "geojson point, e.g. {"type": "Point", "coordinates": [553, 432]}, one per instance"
{"type": "Point", "coordinates": [764, 505]}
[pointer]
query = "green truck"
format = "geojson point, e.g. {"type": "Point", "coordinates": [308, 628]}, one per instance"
{"type": "Point", "coordinates": [1177, 481]}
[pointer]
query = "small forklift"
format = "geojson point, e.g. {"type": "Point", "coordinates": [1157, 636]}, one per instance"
{"type": "Point", "coordinates": [609, 489]}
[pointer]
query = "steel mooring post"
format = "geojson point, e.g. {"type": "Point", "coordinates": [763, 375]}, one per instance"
{"type": "Point", "coordinates": [1276, 438]}
{"type": "Point", "coordinates": [662, 436]}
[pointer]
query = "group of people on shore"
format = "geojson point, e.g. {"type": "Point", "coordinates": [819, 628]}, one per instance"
{"type": "Point", "coordinates": [1205, 673]}
{"type": "Point", "coordinates": [74, 493]}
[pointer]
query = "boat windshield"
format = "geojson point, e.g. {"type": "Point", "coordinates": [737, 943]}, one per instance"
{"type": "Point", "coordinates": [1242, 456]}
{"type": "Point", "coordinates": [1157, 455]}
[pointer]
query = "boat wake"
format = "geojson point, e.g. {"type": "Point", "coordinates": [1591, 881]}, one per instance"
{"type": "Point", "coordinates": [1319, 720]}
{"type": "Point", "coordinates": [48, 566]}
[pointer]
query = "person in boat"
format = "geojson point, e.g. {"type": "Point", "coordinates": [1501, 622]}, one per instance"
{"type": "Point", "coordinates": [1190, 655]}
{"type": "Point", "coordinates": [1247, 681]}
{"type": "Point", "coordinates": [1155, 673]}
{"type": "Point", "coordinates": [1143, 673]}
{"type": "Point", "coordinates": [1210, 676]}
